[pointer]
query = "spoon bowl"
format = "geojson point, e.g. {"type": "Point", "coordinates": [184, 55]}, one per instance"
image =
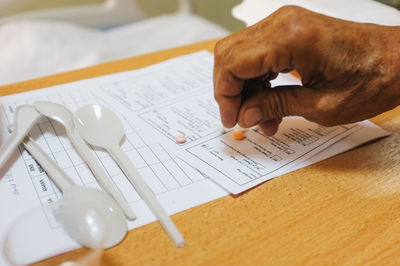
{"type": "Point", "coordinates": [76, 221]}
{"type": "Point", "coordinates": [31, 231]}
{"type": "Point", "coordinates": [95, 203]}
{"type": "Point", "coordinates": [56, 112]}
{"type": "Point", "coordinates": [95, 118]}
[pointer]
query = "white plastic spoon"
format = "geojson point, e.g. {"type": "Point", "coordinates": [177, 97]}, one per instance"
{"type": "Point", "coordinates": [102, 128]}
{"type": "Point", "coordinates": [86, 198]}
{"type": "Point", "coordinates": [64, 116]}
{"type": "Point", "coordinates": [25, 117]}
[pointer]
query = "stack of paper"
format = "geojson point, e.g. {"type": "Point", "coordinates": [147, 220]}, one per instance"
{"type": "Point", "coordinates": [156, 104]}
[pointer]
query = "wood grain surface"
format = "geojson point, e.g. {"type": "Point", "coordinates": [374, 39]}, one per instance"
{"type": "Point", "coordinates": [342, 211]}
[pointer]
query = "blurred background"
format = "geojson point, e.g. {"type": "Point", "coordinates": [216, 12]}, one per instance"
{"type": "Point", "coordinates": [394, 3]}
{"type": "Point", "coordinates": [216, 11]}
{"type": "Point", "coordinates": [43, 37]}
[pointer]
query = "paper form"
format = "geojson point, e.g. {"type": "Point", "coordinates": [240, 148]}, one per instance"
{"type": "Point", "coordinates": [155, 104]}
{"type": "Point", "coordinates": [239, 165]}
{"type": "Point", "coordinates": [235, 165]}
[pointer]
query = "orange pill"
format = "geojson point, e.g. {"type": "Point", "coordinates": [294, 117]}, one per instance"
{"type": "Point", "coordinates": [238, 135]}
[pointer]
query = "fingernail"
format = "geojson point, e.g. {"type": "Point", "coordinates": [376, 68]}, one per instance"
{"type": "Point", "coordinates": [252, 116]}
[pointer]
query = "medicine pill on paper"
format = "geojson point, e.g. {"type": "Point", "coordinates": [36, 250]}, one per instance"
{"type": "Point", "coordinates": [180, 139]}
{"type": "Point", "coordinates": [238, 135]}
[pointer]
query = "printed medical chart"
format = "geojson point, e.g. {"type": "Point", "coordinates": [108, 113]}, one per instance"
{"type": "Point", "coordinates": [235, 165]}
{"type": "Point", "coordinates": [156, 104]}
{"type": "Point", "coordinates": [238, 165]}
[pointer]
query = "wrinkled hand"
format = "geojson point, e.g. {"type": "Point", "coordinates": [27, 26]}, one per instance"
{"type": "Point", "coordinates": [350, 71]}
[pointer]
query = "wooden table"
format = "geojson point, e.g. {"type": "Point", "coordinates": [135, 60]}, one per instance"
{"type": "Point", "coordinates": [344, 210]}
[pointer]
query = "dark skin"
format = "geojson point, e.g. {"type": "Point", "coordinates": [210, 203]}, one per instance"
{"type": "Point", "coordinates": [349, 71]}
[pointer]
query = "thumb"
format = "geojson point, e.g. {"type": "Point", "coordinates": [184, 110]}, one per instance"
{"type": "Point", "coordinates": [274, 104]}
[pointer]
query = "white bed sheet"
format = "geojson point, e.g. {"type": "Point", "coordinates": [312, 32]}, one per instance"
{"type": "Point", "coordinates": [30, 49]}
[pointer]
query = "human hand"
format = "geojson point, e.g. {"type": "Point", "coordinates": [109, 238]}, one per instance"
{"type": "Point", "coordinates": [349, 71]}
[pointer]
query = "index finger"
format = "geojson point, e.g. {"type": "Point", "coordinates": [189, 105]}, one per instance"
{"type": "Point", "coordinates": [227, 93]}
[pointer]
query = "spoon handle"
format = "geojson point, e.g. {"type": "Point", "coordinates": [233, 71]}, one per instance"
{"type": "Point", "coordinates": [99, 173]}
{"type": "Point", "coordinates": [25, 117]}
{"type": "Point", "coordinates": [7, 149]}
{"type": "Point", "coordinates": [57, 174]}
{"type": "Point", "coordinates": [147, 195]}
